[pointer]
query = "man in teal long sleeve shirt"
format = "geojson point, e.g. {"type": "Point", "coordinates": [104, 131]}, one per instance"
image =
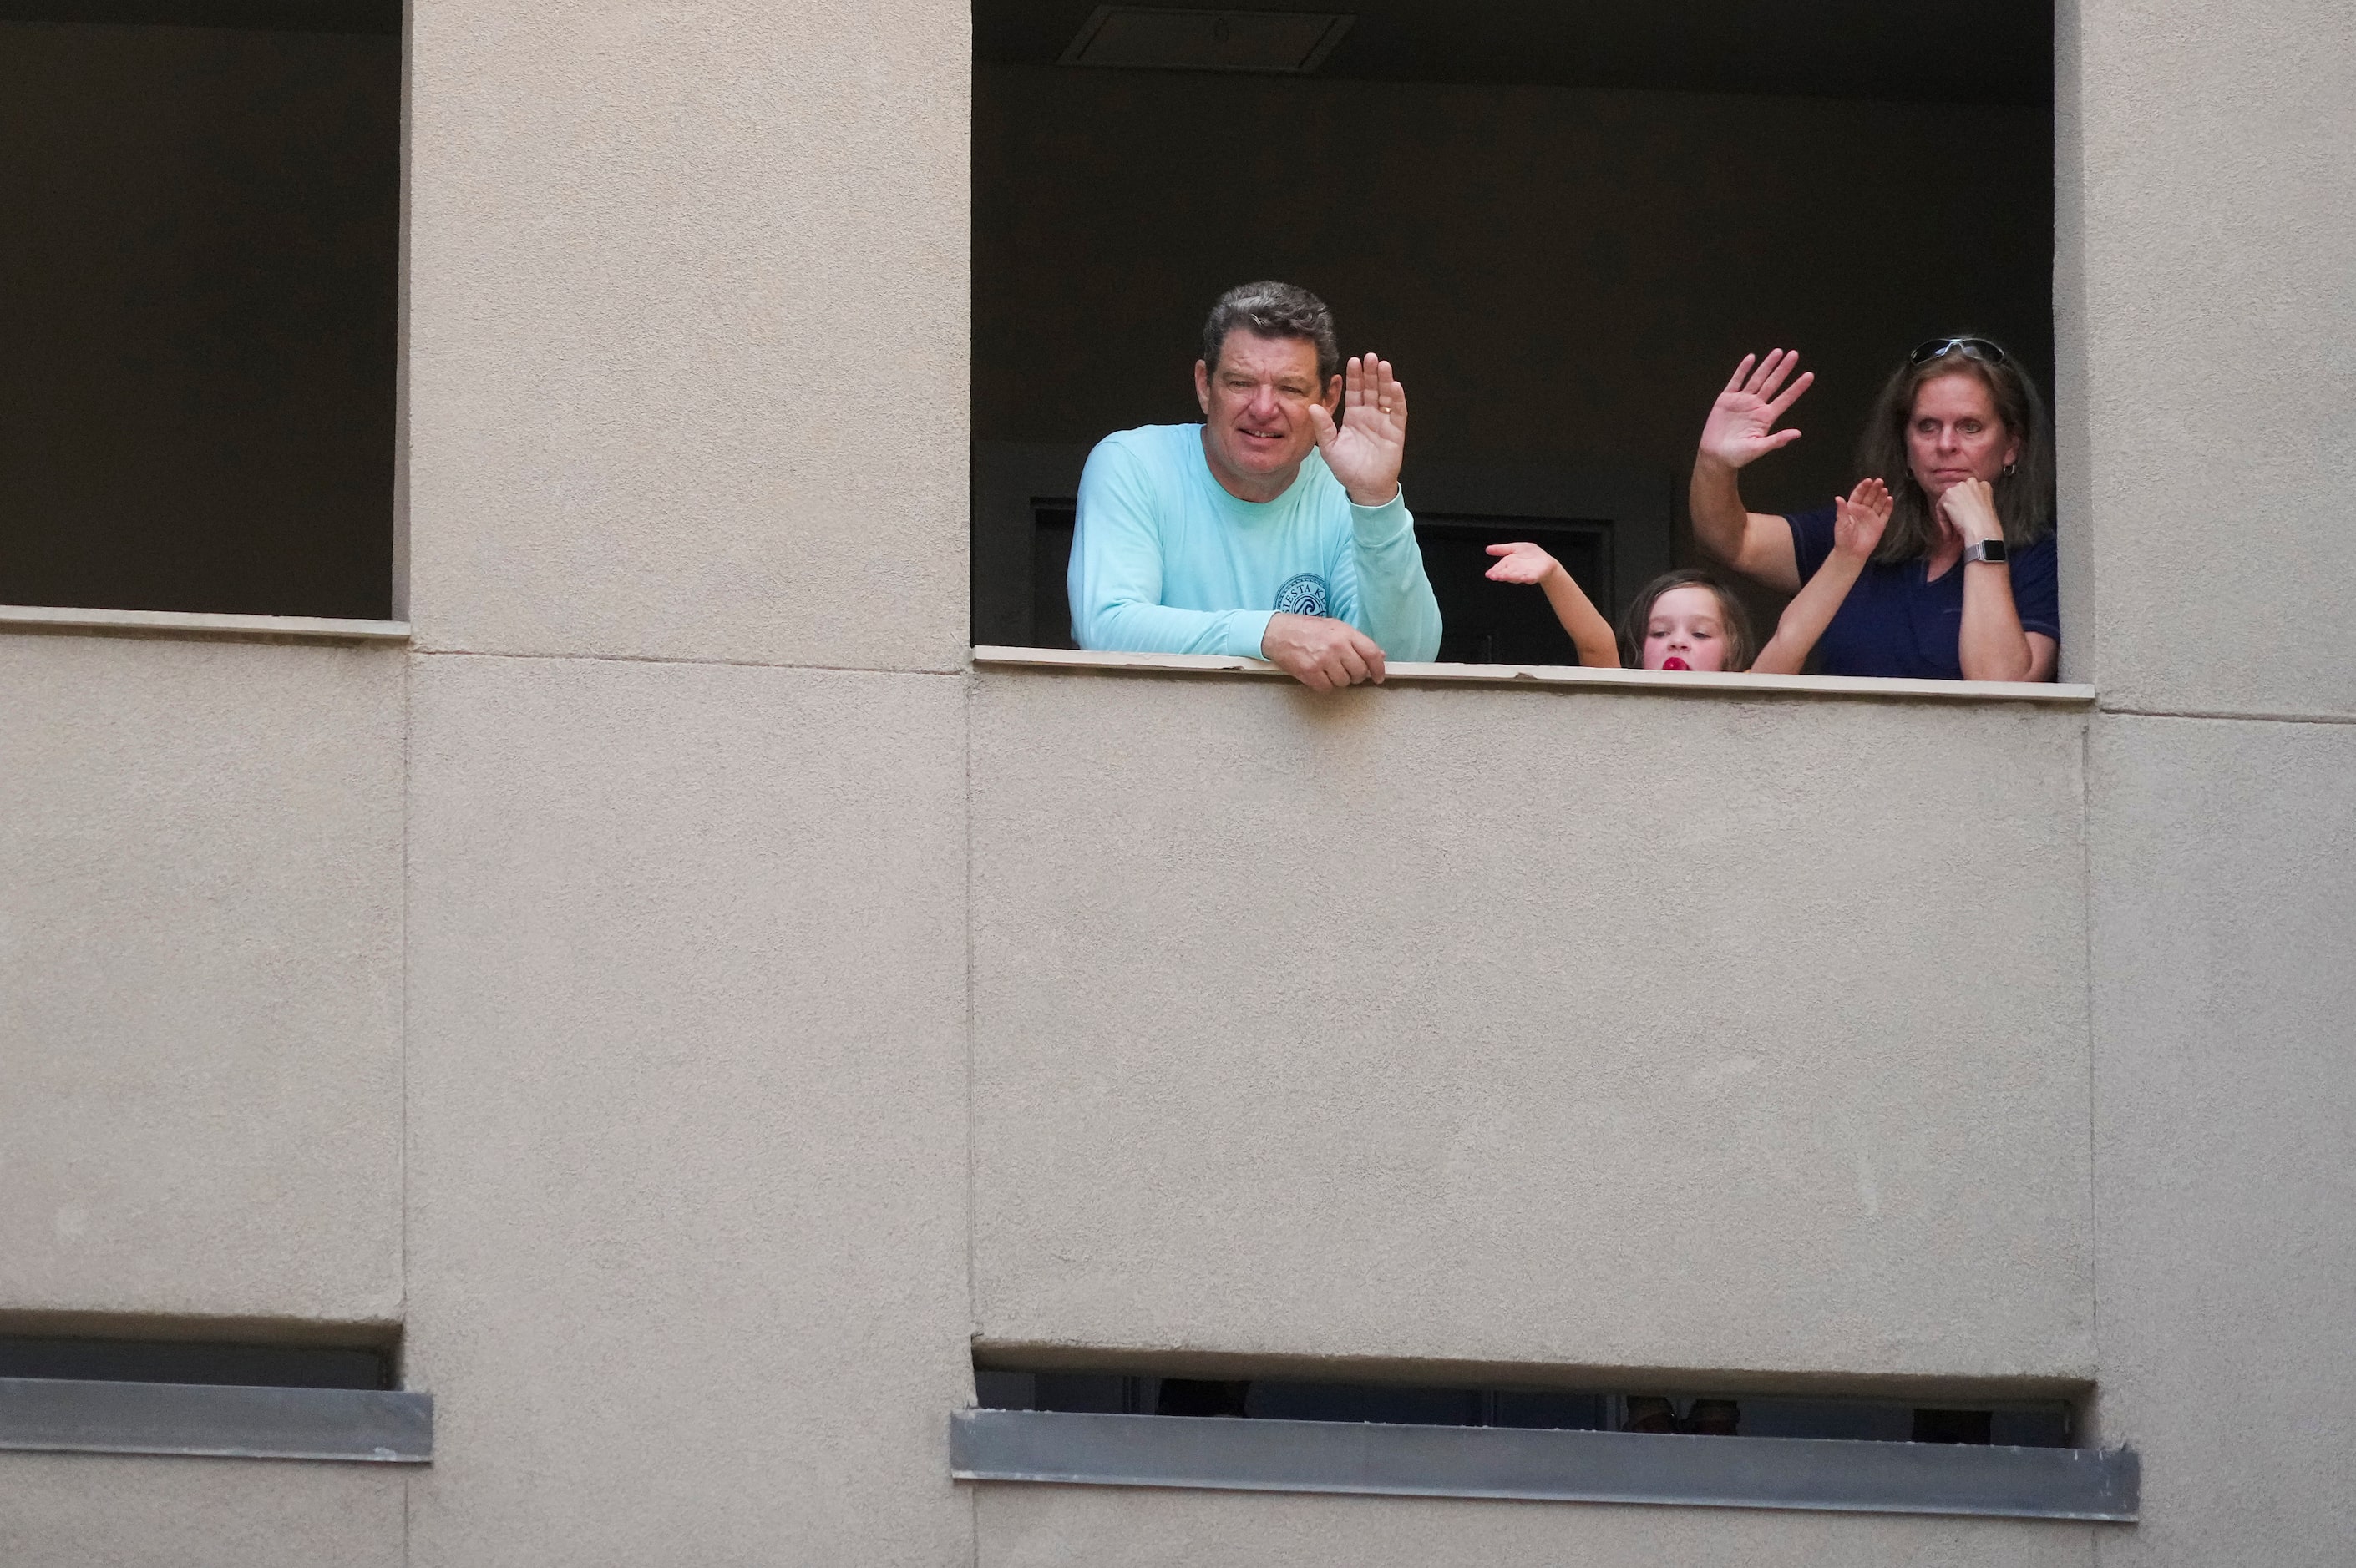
{"type": "Point", "coordinates": [1269, 530]}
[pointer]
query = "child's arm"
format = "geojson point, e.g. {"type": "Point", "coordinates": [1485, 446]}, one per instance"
{"type": "Point", "coordinates": [1597, 648]}
{"type": "Point", "coordinates": [1857, 522]}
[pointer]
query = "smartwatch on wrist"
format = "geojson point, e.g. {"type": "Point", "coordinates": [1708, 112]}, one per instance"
{"type": "Point", "coordinates": [1986, 549]}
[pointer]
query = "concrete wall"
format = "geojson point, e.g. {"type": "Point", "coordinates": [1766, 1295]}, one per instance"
{"type": "Point", "coordinates": [1559, 274]}
{"type": "Point", "coordinates": [200, 954]}
{"type": "Point", "coordinates": [1532, 1026]}
{"type": "Point", "coordinates": [2225, 1131]}
{"type": "Point", "coordinates": [687, 331]}
{"type": "Point", "coordinates": [1066, 1527]}
{"type": "Point", "coordinates": [685, 960]}
{"type": "Point", "coordinates": [199, 260]}
{"type": "Point", "coordinates": [2208, 169]}
{"type": "Point", "coordinates": [2209, 213]}
{"type": "Point", "coordinates": [101, 1511]}
{"type": "Point", "coordinates": [686, 1103]}
{"type": "Point", "coordinates": [687, 374]}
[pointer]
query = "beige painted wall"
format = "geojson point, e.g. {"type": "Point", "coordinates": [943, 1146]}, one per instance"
{"type": "Point", "coordinates": [1554, 1027]}
{"type": "Point", "coordinates": [687, 1095]}
{"type": "Point", "coordinates": [200, 947]}
{"type": "Point", "coordinates": [2208, 162]}
{"type": "Point", "coordinates": [687, 989]}
{"type": "Point", "coordinates": [2225, 1132]}
{"type": "Point", "coordinates": [1085, 1527]}
{"type": "Point", "coordinates": [91, 1510]}
{"type": "Point", "coordinates": [687, 331]}
{"type": "Point", "coordinates": [2208, 224]}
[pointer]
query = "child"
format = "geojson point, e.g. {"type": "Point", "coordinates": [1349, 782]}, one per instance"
{"type": "Point", "coordinates": [1689, 620]}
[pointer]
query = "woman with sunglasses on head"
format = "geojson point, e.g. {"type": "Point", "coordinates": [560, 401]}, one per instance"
{"type": "Point", "coordinates": [1962, 585]}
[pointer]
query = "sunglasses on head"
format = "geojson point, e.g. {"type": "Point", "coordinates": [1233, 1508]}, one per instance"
{"type": "Point", "coordinates": [1970, 347]}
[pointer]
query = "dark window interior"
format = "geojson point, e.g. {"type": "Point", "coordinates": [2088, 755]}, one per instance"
{"type": "Point", "coordinates": [2028, 1424]}
{"type": "Point", "coordinates": [200, 267]}
{"type": "Point", "coordinates": [1051, 607]}
{"type": "Point", "coordinates": [1495, 622]}
{"type": "Point", "coordinates": [1564, 225]}
{"type": "Point", "coordinates": [178, 1361]}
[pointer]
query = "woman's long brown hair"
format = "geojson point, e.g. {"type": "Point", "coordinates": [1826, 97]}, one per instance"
{"type": "Point", "coordinates": [2024, 497]}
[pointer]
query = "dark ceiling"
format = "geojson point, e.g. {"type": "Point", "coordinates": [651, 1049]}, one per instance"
{"type": "Point", "coordinates": [1998, 51]}
{"type": "Point", "coordinates": [273, 15]}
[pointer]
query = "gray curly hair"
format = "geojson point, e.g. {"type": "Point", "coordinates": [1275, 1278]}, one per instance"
{"type": "Point", "coordinates": [1273, 310]}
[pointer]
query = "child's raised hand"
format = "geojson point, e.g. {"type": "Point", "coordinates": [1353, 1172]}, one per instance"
{"type": "Point", "coordinates": [1522, 562]}
{"type": "Point", "coordinates": [1858, 518]}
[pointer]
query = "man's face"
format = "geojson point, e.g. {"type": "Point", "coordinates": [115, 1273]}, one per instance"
{"type": "Point", "coordinates": [1255, 405]}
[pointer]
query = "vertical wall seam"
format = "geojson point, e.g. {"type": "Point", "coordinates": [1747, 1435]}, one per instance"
{"type": "Point", "coordinates": [973, 1187]}
{"type": "Point", "coordinates": [402, 605]}
{"type": "Point", "coordinates": [408, 727]}
{"type": "Point", "coordinates": [2093, 1161]}
{"type": "Point", "coordinates": [408, 684]}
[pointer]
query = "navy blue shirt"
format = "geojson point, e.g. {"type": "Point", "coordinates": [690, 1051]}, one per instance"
{"type": "Point", "coordinates": [1894, 622]}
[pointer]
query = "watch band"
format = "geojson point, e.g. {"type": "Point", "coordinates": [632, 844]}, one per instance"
{"type": "Point", "coordinates": [1986, 549]}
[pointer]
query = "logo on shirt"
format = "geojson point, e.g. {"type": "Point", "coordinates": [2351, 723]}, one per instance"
{"type": "Point", "coordinates": [1303, 595]}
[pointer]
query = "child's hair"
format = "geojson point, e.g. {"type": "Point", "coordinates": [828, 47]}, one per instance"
{"type": "Point", "coordinates": [1740, 647]}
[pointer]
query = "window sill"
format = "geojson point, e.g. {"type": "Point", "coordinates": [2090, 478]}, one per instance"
{"type": "Point", "coordinates": [1678, 682]}
{"type": "Point", "coordinates": [1217, 1454]}
{"type": "Point", "coordinates": [194, 623]}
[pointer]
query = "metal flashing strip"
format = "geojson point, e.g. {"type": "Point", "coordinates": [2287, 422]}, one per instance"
{"type": "Point", "coordinates": [188, 623]}
{"type": "Point", "coordinates": [1230, 1454]}
{"type": "Point", "coordinates": [216, 1421]}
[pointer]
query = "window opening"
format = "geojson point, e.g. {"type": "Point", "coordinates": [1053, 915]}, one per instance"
{"type": "Point", "coordinates": [194, 1361]}
{"type": "Point", "coordinates": [1564, 231]}
{"type": "Point", "coordinates": [2019, 1423]}
{"type": "Point", "coordinates": [201, 264]}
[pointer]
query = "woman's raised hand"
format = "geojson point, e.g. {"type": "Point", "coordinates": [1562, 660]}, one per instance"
{"type": "Point", "coordinates": [1741, 426]}
{"type": "Point", "coordinates": [1522, 563]}
{"type": "Point", "coordinates": [1858, 518]}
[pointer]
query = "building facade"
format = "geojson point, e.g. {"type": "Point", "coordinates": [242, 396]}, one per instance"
{"type": "Point", "coordinates": [691, 1006]}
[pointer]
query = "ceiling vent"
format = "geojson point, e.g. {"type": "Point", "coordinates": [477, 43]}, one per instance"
{"type": "Point", "coordinates": [1288, 43]}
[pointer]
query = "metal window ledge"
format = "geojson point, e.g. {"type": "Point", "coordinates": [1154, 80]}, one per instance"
{"type": "Point", "coordinates": [195, 622]}
{"type": "Point", "coordinates": [1230, 1455]}
{"type": "Point", "coordinates": [79, 1417]}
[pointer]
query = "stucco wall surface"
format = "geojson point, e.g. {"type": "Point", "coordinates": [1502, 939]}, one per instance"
{"type": "Point", "coordinates": [688, 330]}
{"type": "Point", "coordinates": [686, 1114]}
{"type": "Point", "coordinates": [1082, 1526]}
{"type": "Point", "coordinates": [2208, 192]}
{"type": "Point", "coordinates": [90, 1510]}
{"type": "Point", "coordinates": [2226, 1126]}
{"type": "Point", "coordinates": [1540, 1027]}
{"type": "Point", "coordinates": [200, 978]}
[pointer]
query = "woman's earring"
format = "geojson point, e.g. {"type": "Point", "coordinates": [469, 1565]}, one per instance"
{"type": "Point", "coordinates": [2008, 468]}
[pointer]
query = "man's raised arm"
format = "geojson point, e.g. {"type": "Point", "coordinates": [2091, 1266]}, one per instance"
{"type": "Point", "coordinates": [1387, 594]}
{"type": "Point", "coordinates": [1115, 581]}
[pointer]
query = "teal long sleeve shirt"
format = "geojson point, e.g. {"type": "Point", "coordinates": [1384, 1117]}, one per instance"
{"type": "Point", "coordinates": [1164, 560]}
